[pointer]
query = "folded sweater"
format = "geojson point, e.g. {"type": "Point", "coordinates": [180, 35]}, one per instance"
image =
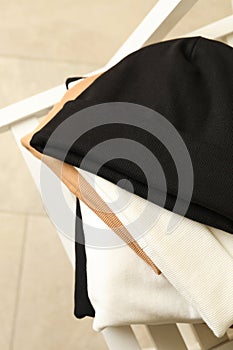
{"type": "Point", "coordinates": [165, 111]}
{"type": "Point", "coordinates": [197, 260]}
{"type": "Point", "coordinates": [203, 61]}
{"type": "Point", "coordinates": [83, 306]}
{"type": "Point", "coordinates": [124, 290]}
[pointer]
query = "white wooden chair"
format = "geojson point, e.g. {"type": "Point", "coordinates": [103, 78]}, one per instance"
{"type": "Point", "coordinates": [21, 118]}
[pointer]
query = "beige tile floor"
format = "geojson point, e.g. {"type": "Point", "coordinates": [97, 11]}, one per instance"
{"type": "Point", "coordinates": [41, 44]}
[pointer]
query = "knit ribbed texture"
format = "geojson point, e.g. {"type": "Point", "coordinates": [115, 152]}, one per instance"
{"type": "Point", "coordinates": [193, 259]}
{"type": "Point", "coordinates": [142, 297]}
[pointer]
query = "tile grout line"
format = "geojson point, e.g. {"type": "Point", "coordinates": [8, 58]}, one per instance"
{"type": "Point", "coordinates": [15, 212]}
{"type": "Point", "coordinates": [19, 282]}
{"type": "Point", "coordinates": [52, 60]}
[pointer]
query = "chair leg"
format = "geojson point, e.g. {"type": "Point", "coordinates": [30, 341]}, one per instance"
{"type": "Point", "coordinates": [118, 338]}
{"type": "Point", "coordinates": [200, 337]}
{"type": "Point", "coordinates": [207, 337]}
{"type": "Point", "coordinates": [167, 337]}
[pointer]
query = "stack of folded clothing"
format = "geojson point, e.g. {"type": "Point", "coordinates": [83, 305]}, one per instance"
{"type": "Point", "coordinates": [147, 147]}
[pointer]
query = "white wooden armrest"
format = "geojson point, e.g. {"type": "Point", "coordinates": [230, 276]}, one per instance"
{"type": "Point", "coordinates": [214, 30]}
{"type": "Point", "coordinates": [33, 106]}
{"type": "Point", "coordinates": [159, 21]}
{"type": "Point", "coordinates": [163, 16]}
{"type": "Point", "coordinates": [19, 130]}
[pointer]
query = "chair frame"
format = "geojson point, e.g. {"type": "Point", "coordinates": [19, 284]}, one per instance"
{"type": "Point", "coordinates": [21, 118]}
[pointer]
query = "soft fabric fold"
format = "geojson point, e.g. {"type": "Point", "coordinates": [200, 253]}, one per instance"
{"type": "Point", "coordinates": [196, 259]}
{"type": "Point", "coordinates": [189, 83]}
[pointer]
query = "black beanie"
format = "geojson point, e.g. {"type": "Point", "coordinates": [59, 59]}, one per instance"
{"type": "Point", "coordinates": [189, 82]}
